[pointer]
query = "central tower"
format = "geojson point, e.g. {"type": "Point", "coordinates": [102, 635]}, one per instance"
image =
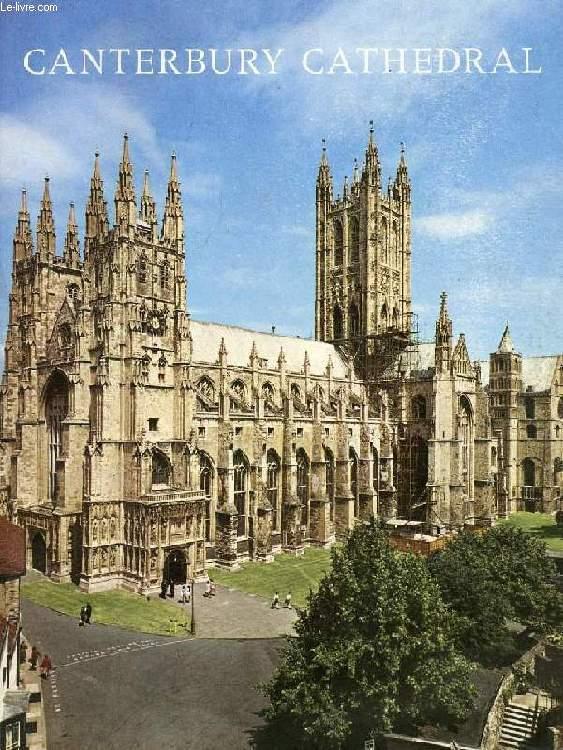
{"type": "Point", "coordinates": [363, 262]}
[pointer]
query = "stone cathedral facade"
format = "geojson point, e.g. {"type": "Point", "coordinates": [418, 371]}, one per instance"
{"type": "Point", "coordinates": [138, 445]}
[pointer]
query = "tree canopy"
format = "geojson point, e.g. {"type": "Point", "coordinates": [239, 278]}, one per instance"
{"type": "Point", "coordinates": [374, 651]}
{"type": "Point", "coordinates": [491, 578]}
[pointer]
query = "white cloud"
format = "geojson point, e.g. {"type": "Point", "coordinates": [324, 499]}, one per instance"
{"type": "Point", "coordinates": [26, 153]}
{"type": "Point", "coordinates": [455, 226]}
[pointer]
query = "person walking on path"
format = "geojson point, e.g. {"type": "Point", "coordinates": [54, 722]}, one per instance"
{"type": "Point", "coordinates": [185, 599]}
{"type": "Point", "coordinates": [46, 666]}
{"type": "Point", "coordinates": [82, 615]}
{"type": "Point", "coordinates": [207, 591]}
{"type": "Point", "coordinates": [34, 657]}
{"type": "Point", "coordinates": [288, 600]}
{"type": "Point", "coordinates": [276, 601]}
{"type": "Point", "coordinates": [88, 610]}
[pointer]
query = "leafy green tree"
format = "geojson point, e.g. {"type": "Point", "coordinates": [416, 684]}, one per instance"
{"type": "Point", "coordinates": [374, 651]}
{"type": "Point", "coordinates": [488, 579]}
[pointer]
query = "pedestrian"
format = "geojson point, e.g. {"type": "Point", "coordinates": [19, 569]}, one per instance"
{"type": "Point", "coordinates": [184, 594]}
{"type": "Point", "coordinates": [88, 610]}
{"type": "Point", "coordinates": [163, 587]}
{"type": "Point", "coordinates": [23, 652]}
{"type": "Point", "coordinates": [172, 588]}
{"type": "Point", "coordinates": [207, 591]}
{"type": "Point", "coordinates": [34, 657]}
{"type": "Point", "coordinates": [188, 592]}
{"type": "Point", "coordinates": [211, 587]}
{"type": "Point", "coordinates": [276, 601]}
{"type": "Point", "coordinates": [82, 615]}
{"type": "Point", "coordinates": [46, 666]}
{"type": "Point", "coordinates": [288, 600]}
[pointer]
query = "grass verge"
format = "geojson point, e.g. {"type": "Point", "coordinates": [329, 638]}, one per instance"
{"type": "Point", "coordinates": [540, 524]}
{"type": "Point", "coordinates": [286, 573]}
{"type": "Point", "coordinates": [120, 608]}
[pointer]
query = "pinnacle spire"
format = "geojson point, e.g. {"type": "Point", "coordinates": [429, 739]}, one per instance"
{"type": "Point", "coordinates": [324, 178]}
{"type": "Point", "coordinates": [72, 246]}
{"type": "Point", "coordinates": [402, 172]}
{"type": "Point", "coordinates": [23, 242]}
{"type": "Point", "coordinates": [96, 209]}
{"type": "Point", "coordinates": [372, 159]}
{"type": "Point", "coordinates": [173, 218]}
{"type": "Point", "coordinates": [355, 173]}
{"type": "Point", "coordinates": [125, 209]}
{"type": "Point", "coordinates": [46, 224]}
{"type": "Point", "coordinates": [147, 213]}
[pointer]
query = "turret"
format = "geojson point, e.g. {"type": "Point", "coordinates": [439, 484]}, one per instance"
{"type": "Point", "coordinates": [402, 186]}
{"type": "Point", "coordinates": [125, 205]}
{"type": "Point", "coordinates": [96, 209]}
{"type": "Point", "coordinates": [443, 341]}
{"type": "Point", "coordinates": [23, 240]}
{"type": "Point", "coordinates": [324, 177]}
{"type": "Point", "coordinates": [72, 243]}
{"type": "Point", "coordinates": [46, 245]}
{"type": "Point", "coordinates": [173, 218]}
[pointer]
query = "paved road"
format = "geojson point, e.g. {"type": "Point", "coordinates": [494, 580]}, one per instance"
{"type": "Point", "coordinates": [234, 614]}
{"type": "Point", "coordinates": [118, 689]}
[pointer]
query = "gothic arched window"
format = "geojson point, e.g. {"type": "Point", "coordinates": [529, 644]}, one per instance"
{"type": "Point", "coordinates": [329, 480]}
{"type": "Point", "coordinates": [560, 408]}
{"type": "Point", "coordinates": [142, 270]}
{"type": "Point", "coordinates": [384, 241]}
{"type": "Point", "coordinates": [418, 407]}
{"type": "Point", "coordinates": [164, 275]}
{"type": "Point", "coordinates": [240, 470]}
{"type": "Point", "coordinates": [384, 316]}
{"type": "Point", "coordinates": [395, 318]}
{"type": "Point", "coordinates": [338, 244]}
{"type": "Point", "coordinates": [353, 463]}
{"type": "Point", "coordinates": [206, 488]}
{"type": "Point", "coordinates": [354, 320]}
{"type": "Point", "coordinates": [161, 469]}
{"type": "Point", "coordinates": [375, 468]}
{"type": "Point", "coordinates": [528, 472]}
{"type": "Point", "coordinates": [337, 323]}
{"type": "Point", "coordinates": [531, 431]}
{"type": "Point", "coordinates": [354, 240]}
{"type": "Point", "coordinates": [206, 388]}
{"type": "Point", "coordinates": [530, 406]}
{"type": "Point", "coordinates": [272, 487]}
{"type": "Point", "coordinates": [395, 244]}
{"type": "Point", "coordinates": [303, 485]}
{"type": "Point", "coordinates": [56, 410]}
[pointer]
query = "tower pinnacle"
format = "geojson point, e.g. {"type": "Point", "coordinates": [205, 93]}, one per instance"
{"type": "Point", "coordinates": [125, 207]}
{"type": "Point", "coordinates": [147, 214]}
{"type": "Point", "coordinates": [173, 218]}
{"type": "Point", "coordinates": [46, 225]}
{"type": "Point", "coordinates": [72, 245]}
{"type": "Point", "coordinates": [23, 242]}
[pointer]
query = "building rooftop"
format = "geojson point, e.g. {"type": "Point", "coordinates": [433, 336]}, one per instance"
{"type": "Point", "coordinates": [239, 341]}
{"type": "Point", "coordinates": [537, 372]}
{"type": "Point", "coordinates": [12, 549]}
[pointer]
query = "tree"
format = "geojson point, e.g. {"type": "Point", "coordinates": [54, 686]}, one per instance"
{"type": "Point", "coordinates": [491, 578]}
{"type": "Point", "coordinates": [374, 650]}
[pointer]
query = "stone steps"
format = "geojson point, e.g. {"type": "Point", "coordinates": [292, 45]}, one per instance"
{"type": "Point", "coordinates": [518, 726]}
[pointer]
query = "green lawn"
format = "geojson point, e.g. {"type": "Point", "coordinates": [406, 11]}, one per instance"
{"type": "Point", "coordinates": [286, 573]}
{"type": "Point", "coordinates": [539, 524]}
{"type": "Point", "coordinates": [121, 608]}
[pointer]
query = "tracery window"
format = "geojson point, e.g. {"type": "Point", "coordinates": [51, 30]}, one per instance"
{"type": "Point", "coordinates": [240, 467]}
{"type": "Point", "coordinates": [418, 407]}
{"type": "Point", "coordinates": [142, 270]}
{"type": "Point", "coordinates": [303, 485]}
{"type": "Point", "coordinates": [337, 323]}
{"type": "Point", "coordinates": [161, 469]}
{"type": "Point", "coordinates": [164, 275]}
{"type": "Point", "coordinates": [56, 410]}
{"type": "Point", "coordinates": [354, 240]}
{"type": "Point", "coordinates": [206, 488]}
{"type": "Point", "coordinates": [272, 488]}
{"type": "Point", "coordinates": [329, 480]}
{"type": "Point", "coordinates": [530, 406]}
{"type": "Point", "coordinates": [354, 320]}
{"type": "Point", "coordinates": [338, 244]}
{"type": "Point", "coordinates": [354, 487]}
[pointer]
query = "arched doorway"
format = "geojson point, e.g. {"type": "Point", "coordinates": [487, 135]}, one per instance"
{"type": "Point", "coordinates": [39, 553]}
{"type": "Point", "coordinates": [176, 567]}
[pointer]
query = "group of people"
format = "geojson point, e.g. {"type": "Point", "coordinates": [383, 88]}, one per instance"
{"type": "Point", "coordinates": [276, 601]}
{"type": "Point", "coordinates": [85, 614]}
{"type": "Point", "coordinates": [186, 595]}
{"type": "Point", "coordinates": [46, 664]}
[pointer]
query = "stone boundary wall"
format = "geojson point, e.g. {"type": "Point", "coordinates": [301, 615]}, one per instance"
{"type": "Point", "coordinates": [491, 730]}
{"type": "Point", "coordinates": [403, 742]}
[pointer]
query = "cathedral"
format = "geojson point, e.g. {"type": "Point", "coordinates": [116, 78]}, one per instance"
{"type": "Point", "coordinates": [137, 444]}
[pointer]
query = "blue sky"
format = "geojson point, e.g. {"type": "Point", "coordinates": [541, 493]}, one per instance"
{"type": "Point", "coordinates": [485, 153]}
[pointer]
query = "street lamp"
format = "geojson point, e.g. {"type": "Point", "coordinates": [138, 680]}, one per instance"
{"type": "Point", "coordinates": [192, 624]}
